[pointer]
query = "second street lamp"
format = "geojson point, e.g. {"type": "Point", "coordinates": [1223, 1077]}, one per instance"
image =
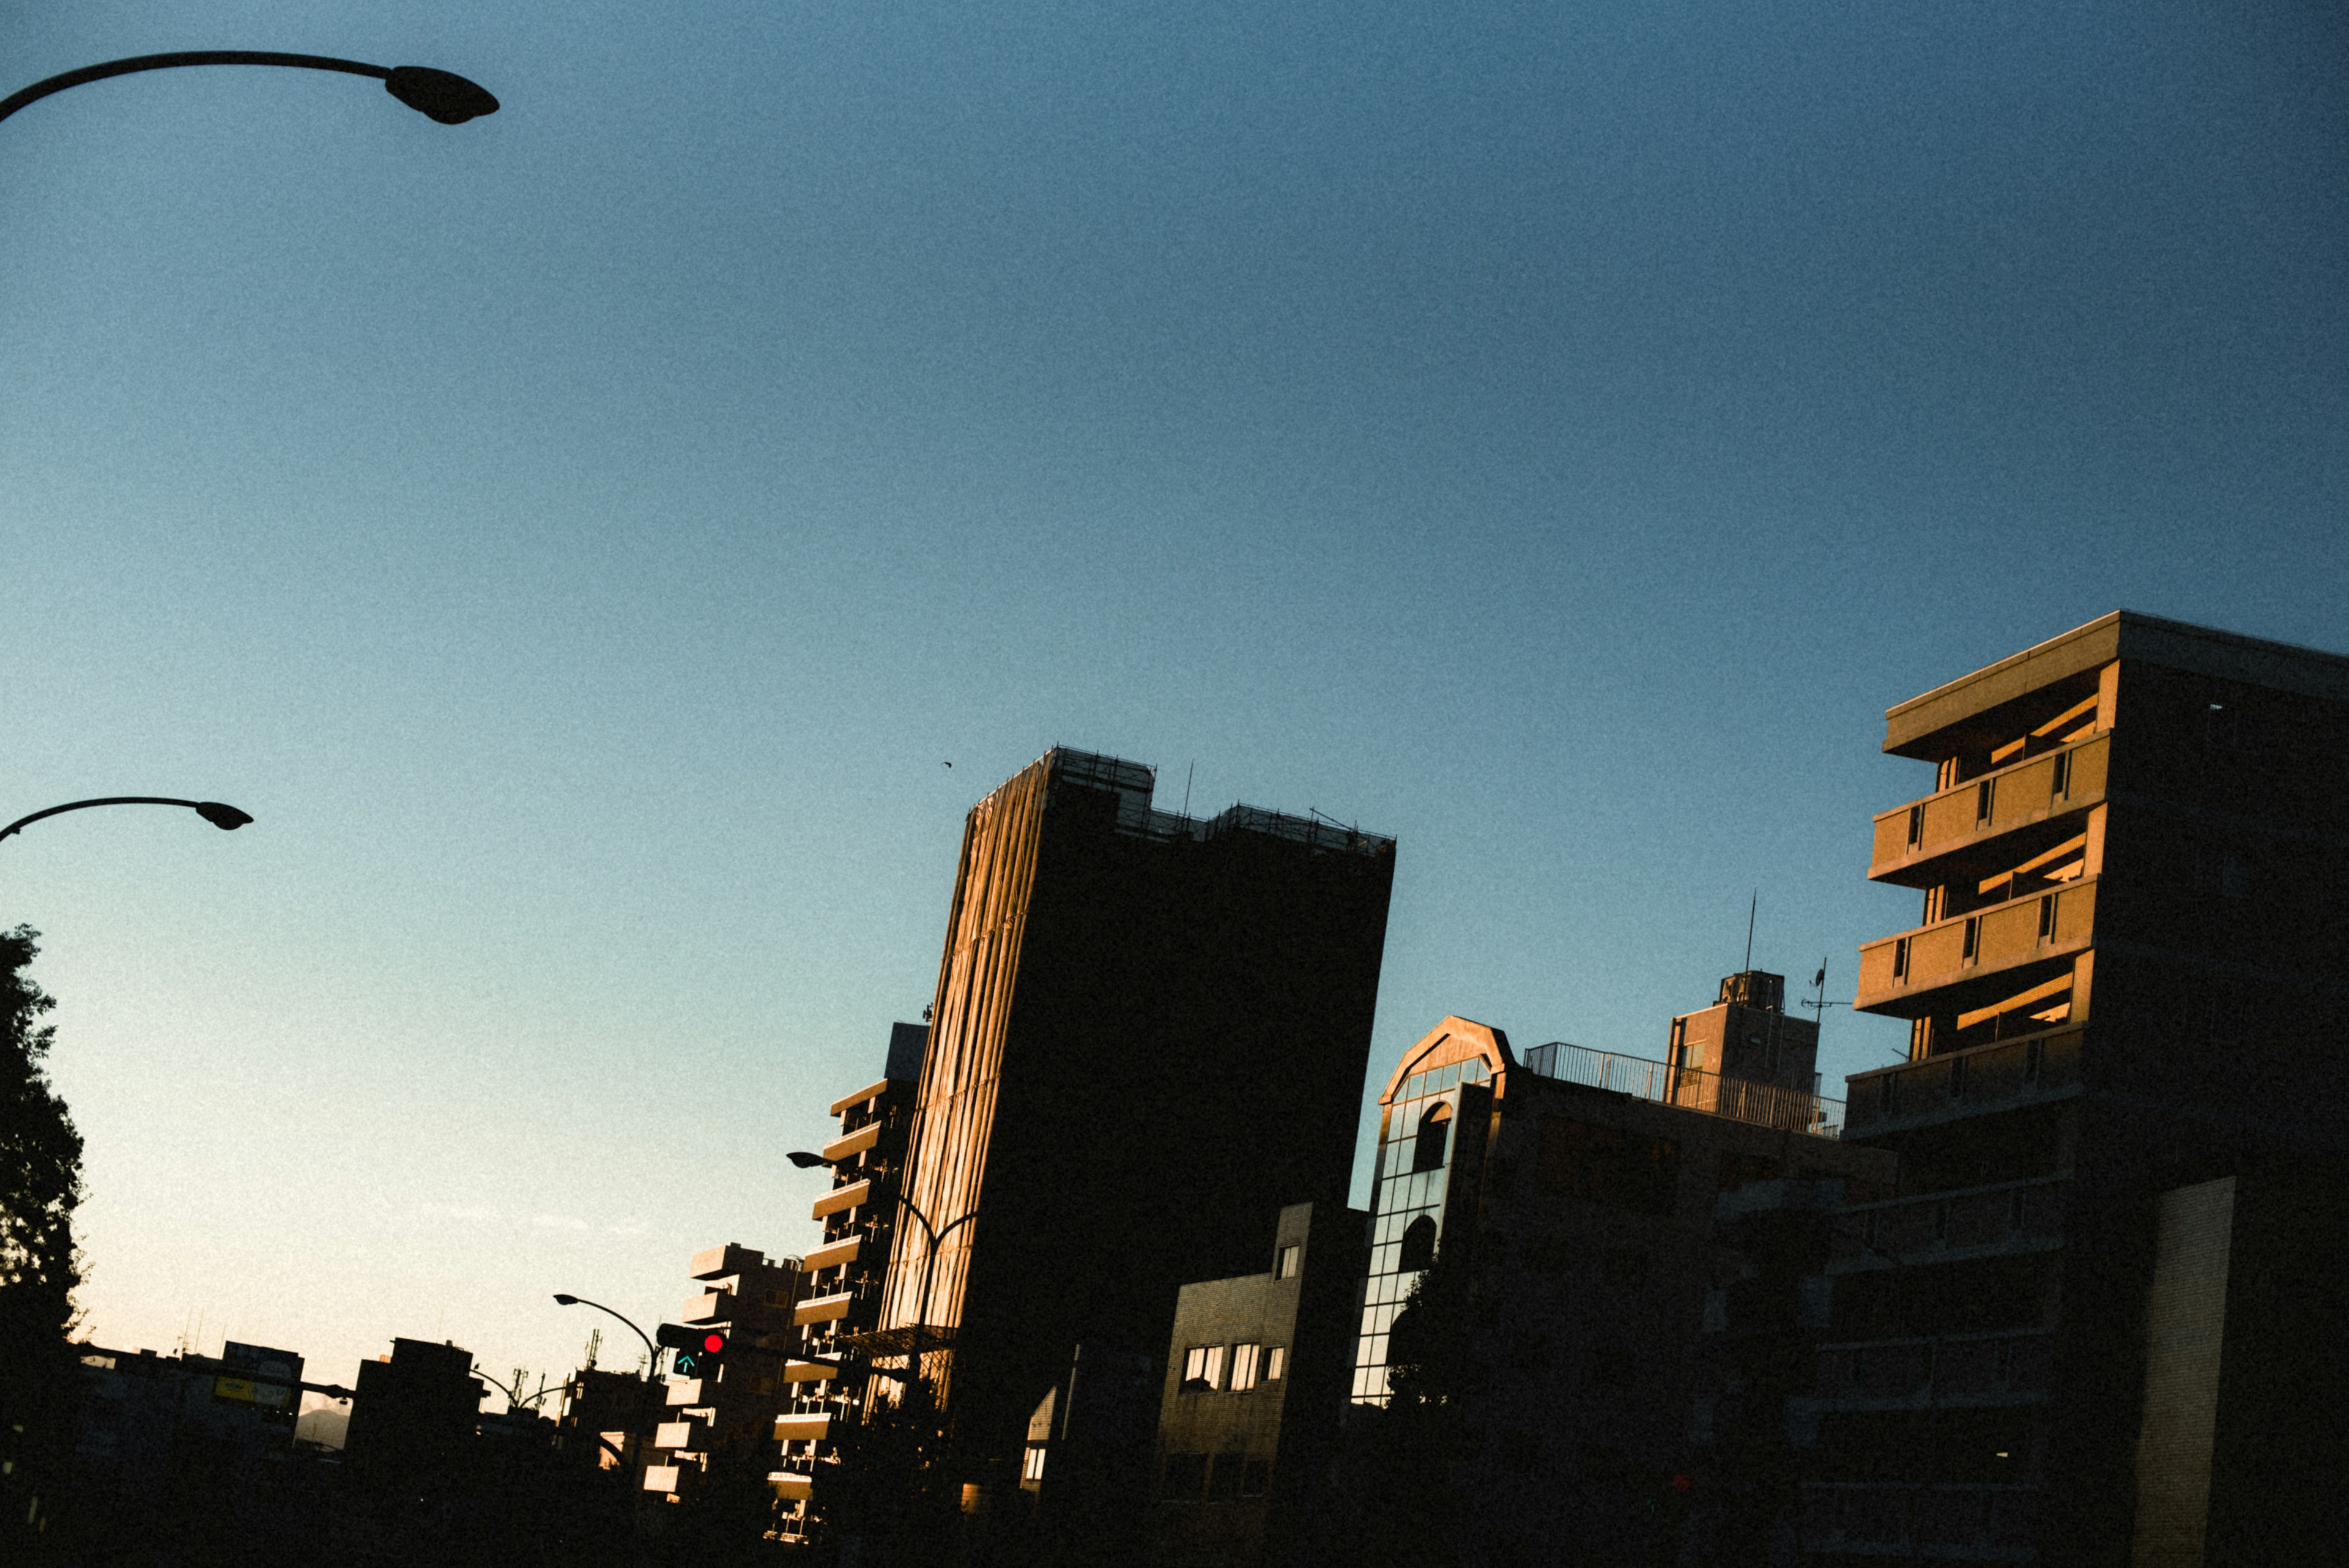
{"type": "Point", "coordinates": [652, 1367]}
{"type": "Point", "coordinates": [220, 814]}
{"type": "Point", "coordinates": [932, 1235]}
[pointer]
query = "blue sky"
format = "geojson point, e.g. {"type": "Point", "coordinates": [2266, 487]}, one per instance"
{"type": "Point", "coordinates": [1551, 434]}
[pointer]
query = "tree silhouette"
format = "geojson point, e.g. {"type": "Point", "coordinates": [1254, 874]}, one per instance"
{"type": "Point", "coordinates": [40, 1182]}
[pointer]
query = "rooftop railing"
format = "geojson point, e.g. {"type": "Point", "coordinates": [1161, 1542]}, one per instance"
{"type": "Point", "coordinates": [1692, 1088]}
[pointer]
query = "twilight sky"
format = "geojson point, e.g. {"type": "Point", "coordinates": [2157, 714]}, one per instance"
{"type": "Point", "coordinates": [1549, 433]}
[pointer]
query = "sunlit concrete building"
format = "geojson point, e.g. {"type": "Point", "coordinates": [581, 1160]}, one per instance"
{"type": "Point", "coordinates": [842, 1303]}
{"type": "Point", "coordinates": [733, 1407]}
{"type": "Point", "coordinates": [2101, 1320]}
{"type": "Point", "coordinates": [1149, 1035]}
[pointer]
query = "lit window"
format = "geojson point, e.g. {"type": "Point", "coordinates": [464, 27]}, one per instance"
{"type": "Point", "coordinates": [1285, 1266]}
{"type": "Point", "coordinates": [1245, 1358]}
{"type": "Point", "coordinates": [1032, 1467]}
{"type": "Point", "coordinates": [1276, 1362]}
{"type": "Point", "coordinates": [1212, 1373]}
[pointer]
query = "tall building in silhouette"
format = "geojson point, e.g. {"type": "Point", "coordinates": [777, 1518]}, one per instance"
{"type": "Point", "coordinates": [2101, 1322]}
{"type": "Point", "coordinates": [1150, 1033]}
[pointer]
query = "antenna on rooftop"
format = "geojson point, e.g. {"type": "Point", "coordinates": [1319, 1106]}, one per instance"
{"type": "Point", "coordinates": [1752, 904]}
{"type": "Point", "coordinates": [1819, 1005]}
{"type": "Point", "coordinates": [1186, 786]}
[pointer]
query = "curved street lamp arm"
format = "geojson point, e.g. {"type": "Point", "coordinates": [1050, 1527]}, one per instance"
{"type": "Point", "coordinates": [194, 806]}
{"type": "Point", "coordinates": [437, 95]}
{"type": "Point", "coordinates": [41, 90]}
{"type": "Point", "coordinates": [640, 1333]}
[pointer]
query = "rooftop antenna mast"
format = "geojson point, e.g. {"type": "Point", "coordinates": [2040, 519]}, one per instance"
{"type": "Point", "coordinates": [1820, 1004]}
{"type": "Point", "coordinates": [1750, 905]}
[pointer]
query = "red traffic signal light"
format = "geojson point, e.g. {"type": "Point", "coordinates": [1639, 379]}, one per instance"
{"type": "Point", "coordinates": [698, 1350]}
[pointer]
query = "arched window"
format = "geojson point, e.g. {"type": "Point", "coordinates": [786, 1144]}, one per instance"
{"type": "Point", "coordinates": [1428, 1152]}
{"type": "Point", "coordinates": [1417, 1244]}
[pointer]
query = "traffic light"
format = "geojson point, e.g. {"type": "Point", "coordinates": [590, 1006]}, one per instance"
{"type": "Point", "coordinates": [698, 1350]}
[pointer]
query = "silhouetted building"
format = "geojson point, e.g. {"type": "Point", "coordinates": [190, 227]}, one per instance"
{"type": "Point", "coordinates": [1254, 1384]}
{"type": "Point", "coordinates": [843, 1276]}
{"type": "Point", "coordinates": [608, 1420]}
{"type": "Point", "coordinates": [2101, 1320]}
{"type": "Point", "coordinates": [1149, 1032]}
{"type": "Point", "coordinates": [156, 1424]}
{"type": "Point", "coordinates": [1573, 1191]}
{"type": "Point", "coordinates": [731, 1406]}
{"type": "Point", "coordinates": [415, 1412]}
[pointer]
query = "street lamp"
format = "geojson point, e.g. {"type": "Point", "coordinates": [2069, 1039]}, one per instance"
{"type": "Point", "coordinates": [650, 1366]}
{"type": "Point", "coordinates": [225, 817]}
{"type": "Point", "coordinates": [932, 1235]}
{"type": "Point", "coordinates": [443, 96]}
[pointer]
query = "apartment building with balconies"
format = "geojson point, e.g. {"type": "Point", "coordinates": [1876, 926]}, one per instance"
{"type": "Point", "coordinates": [842, 1303]}
{"type": "Point", "coordinates": [2120, 1127]}
{"type": "Point", "coordinates": [732, 1406]}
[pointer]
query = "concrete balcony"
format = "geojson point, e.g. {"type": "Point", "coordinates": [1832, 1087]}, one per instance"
{"type": "Point", "coordinates": [848, 1145]}
{"type": "Point", "coordinates": [832, 1254]}
{"type": "Point", "coordinates": [686, 1392]}
{"type": "Point", "coordinates": [662, 1478]}
{"type": "Point", "coordinates": [802, 1427]}
{"type": "Point", "coordinates": [1981, 953]}
{"type": "Point", "coordinates": [790, 1486]}
{"type": "Point", "coordinates": [2051, 788]}
{"type": "Point", "coordinates": [689, 1436]}
{"type": "Point", "coordinates": [1964, 1083]}
{"type": "Point", "coordinates": [852, 1196]}
{"type": "Point", "coordinates": [711, 1306]}
{"type": "Point", "coordinates": [824, 1309]}
{"type": "Point", "coordinates": [807, 1372]}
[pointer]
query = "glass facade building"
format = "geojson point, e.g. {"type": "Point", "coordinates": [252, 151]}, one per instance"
{"type": "Point", "coordinates": [1414, 1176]}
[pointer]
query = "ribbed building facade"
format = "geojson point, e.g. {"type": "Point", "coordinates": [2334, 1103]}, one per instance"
{"type": "Point", "coordinates": [1149, 1034]}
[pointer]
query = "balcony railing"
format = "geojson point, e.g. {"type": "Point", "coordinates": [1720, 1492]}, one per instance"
{"type": "Point", "coordinates": [2048, 784]}
{"type": "Point", "coordinates": [1999, 937]}
{"type": "Point", "coordinates": [2010, 1072]}
{"type": "Point", "coordinates": [1740, 1099]}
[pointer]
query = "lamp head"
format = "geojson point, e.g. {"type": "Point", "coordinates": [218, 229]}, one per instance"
{"type": "Point", "coordinates": [562, 1300]}
{"type": "Point", "coordinates": [443, 96]}
{"type": "Point", "coordinates": [805, 1160]}
{"type": "Point", "coordinates": [227, 818]}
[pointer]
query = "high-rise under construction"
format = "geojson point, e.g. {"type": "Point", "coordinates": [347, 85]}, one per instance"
{"type": "Point", "coordinates": [1149, 1034]}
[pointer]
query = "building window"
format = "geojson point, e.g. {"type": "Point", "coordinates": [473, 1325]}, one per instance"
{"type": "Point", "coordinates": [1916, 826]}
{"type": "Point", "coordinates": [2062, 785]}
{"type": "Point", "coordinates": [1901, 959]}
{"type": "Point", "coordinates": [1032, 1467]}
{"type": "Point", "coordinates": [1224, 1480]}
{"type": "Point", "coordinates": [1276, 1362]}
{"type": "Point", "coordinates": [1286, 1262]}
{"type": "Point", "coordinates": [1427, 1151]}
{"type": "Point", "coordinates": [1203, 1368]}
{"type": "Point", "coordinates": [2046, 917]}
{"type": "Point", "coordinates": [1185, 1478]}
{"type": "Point", "coordinates": [1983, 793]}
{"type": "Point", "coordinates": [1253, 1476]}
{"type": "Point", "coordinates": [1973, 938]}
{"type": "Point", "coordinates": [1245, 1360]}
{"type": "Point", "coordinates": [1417, 1244]}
